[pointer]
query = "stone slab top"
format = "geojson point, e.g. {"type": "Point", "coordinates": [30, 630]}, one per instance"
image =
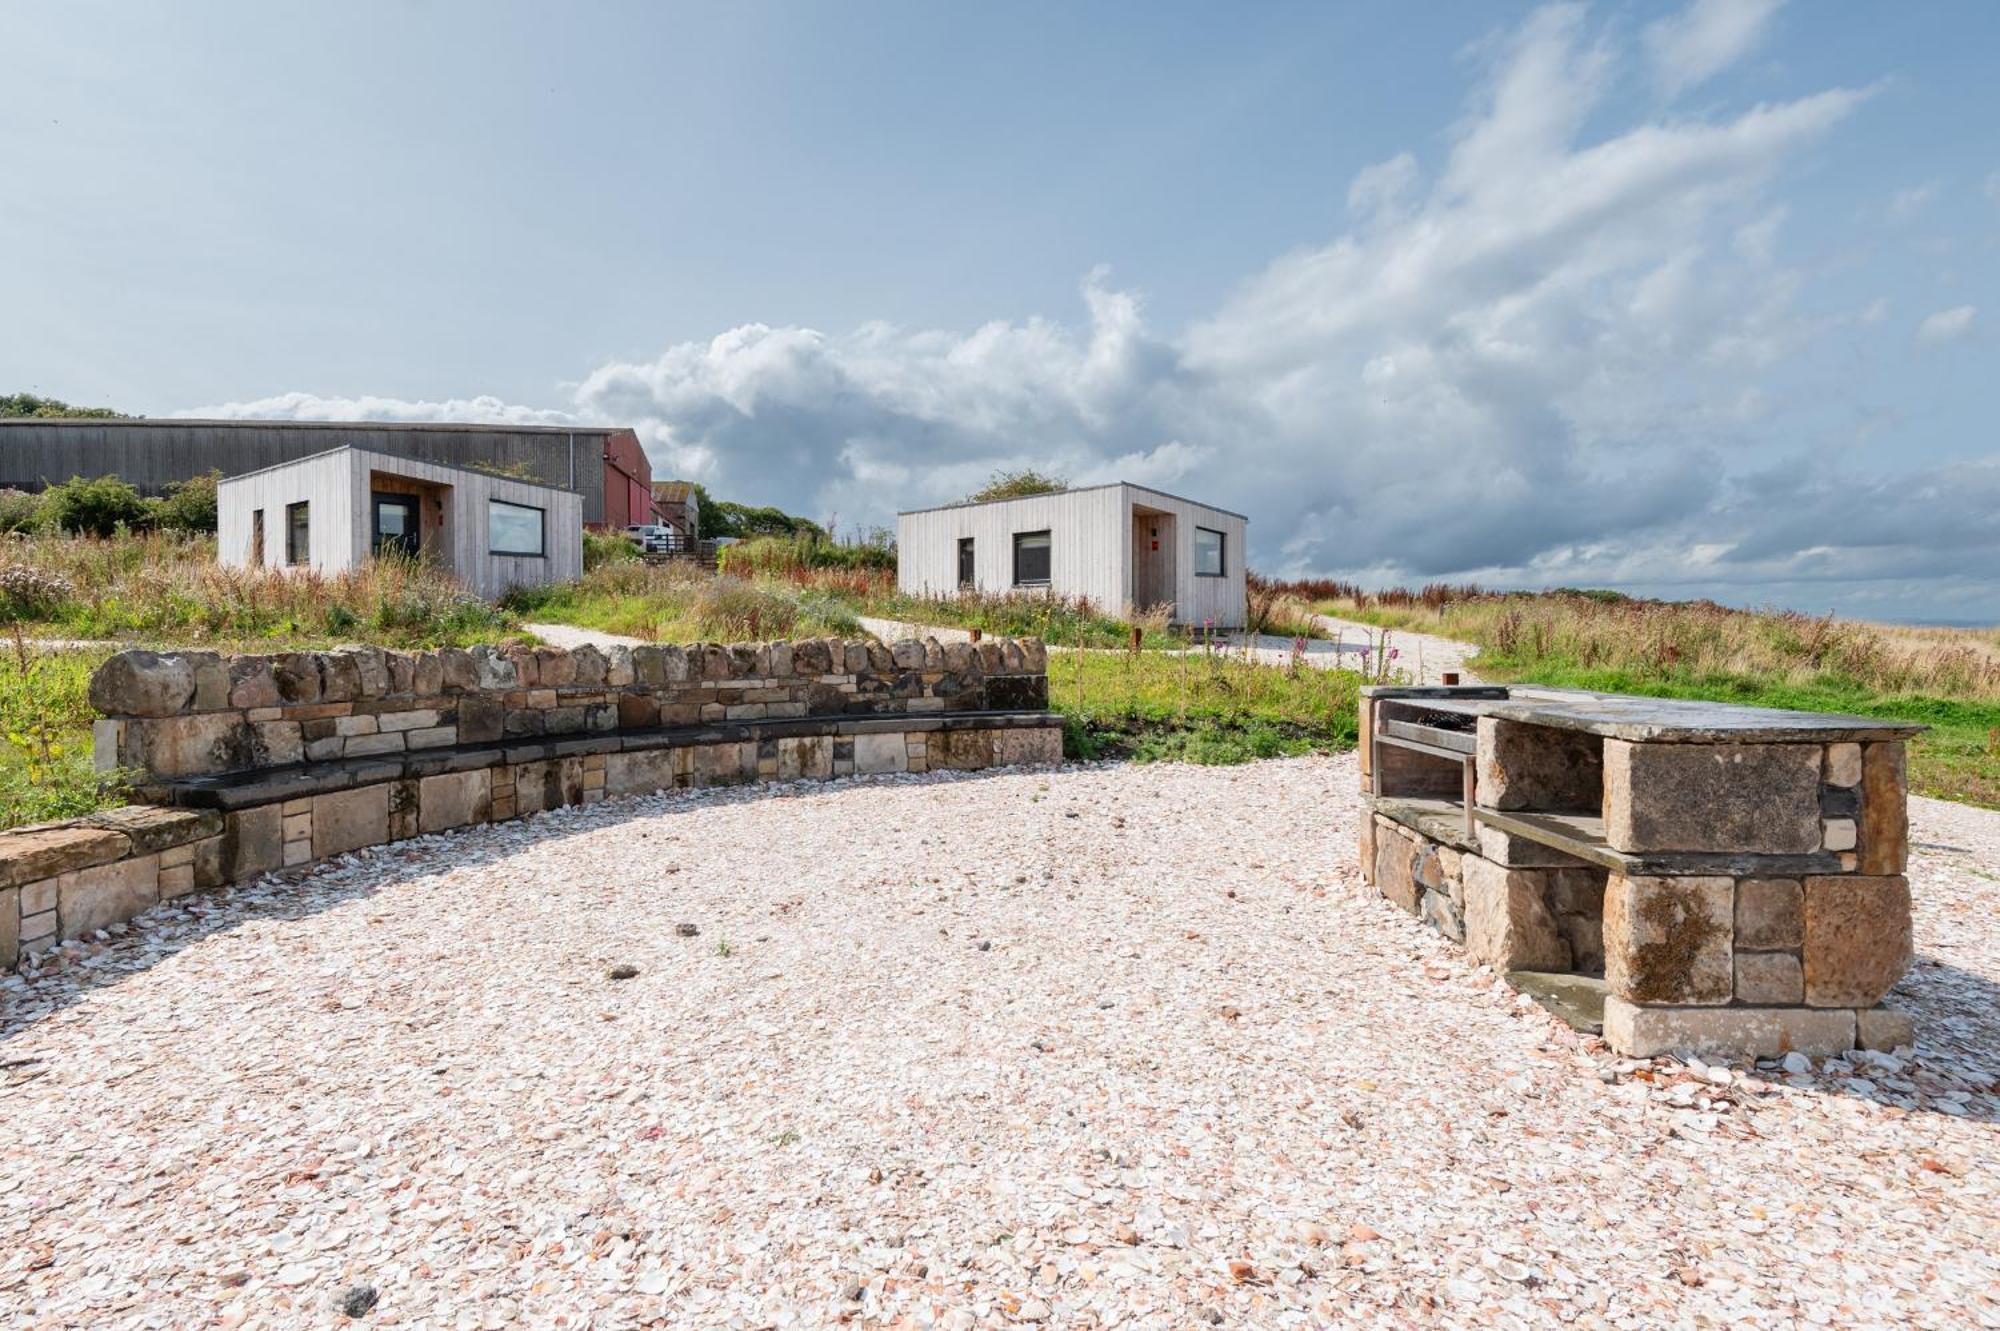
{"type": "Point", "coordinates": [1659, 720]}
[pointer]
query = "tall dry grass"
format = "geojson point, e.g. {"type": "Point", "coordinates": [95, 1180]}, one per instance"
{"type": "Point", "coordinates": [169, 588]}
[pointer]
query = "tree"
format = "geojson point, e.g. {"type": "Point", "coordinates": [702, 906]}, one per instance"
{"type": "Point", "coordinates": [188, 506]}
{"type": "Point", "coordinates": [1018, 484]}
{"type": "Point", "coordinates": [49, 408]}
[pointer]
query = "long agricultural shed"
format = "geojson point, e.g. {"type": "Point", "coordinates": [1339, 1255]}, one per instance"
{"type": "Point", "coordinates": [604, 465]}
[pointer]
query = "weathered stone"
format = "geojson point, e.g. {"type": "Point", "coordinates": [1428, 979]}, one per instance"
{"type": "Point", "coordinates": [1857, 940]}
{"type": "Point", "coordinates": [1885, 809]}
{"type": "Point", "coordinates": [724, 764]}
{"type": "Point", "coordinates": [10, 927]}
{"type": "Point", "coordinates": [590, 667]}
{"type": "Point", "coordinates": [1769, 978]}
{"type": "Point", "coordinates": [141, 683]}
{"type": "Point", "coordinates": [426, 675]}
{"type": "Point", "coordinates": [492, 670]}
{"type": "Point", "coordinates": [454, 799]}
{"type": "Point", "coordinates": [556, 668]}
{"type": "Point", "coordinates": [1396, 855]}
{"type": "Point", "coordinates": [1843, 764]}
{"type": "Point", "coordinates": [402, 673]}
{"type": "Point", "coordinates": [1838, 834]}
{"type": "Point", "coordinates": [340, 676]}
{"type": "Point", "coordinates": [276, 744]}
{"type": "Point", "coordinates": [1366, 848]}
{"type": "Point", "coordinates": [907, 654]}
{"type": "Point", "coordinates": [1508, 924]}
{"type": "Point", "coordinates": [1669, 940]}
{"type": "Point", "coordinates": [991, 659]}
{"type": "Point", "coordinates": [210, 866]}
{"type": "Point", "coordinates": [35, 853]}
{"type": "Point", "coordinates": [349, 820]}
{"type": "Point", "coordinates": [805, 757]}
{"type": "Point", "coordinates": [252, 683]}
{"type": "Point", "coordinates": [1754, 798]}
{"type": "Point", "coordinates": [1770, 913]}
{"type": "Point", "coordinates": [253, 842]}
{"type": "Point", "coordinates": [1443, 914]}
{"type": "Point", "coordinates": [1742, 1032]}
{"type": "Point", "coordinates": [1538, 767]}
{"type": "Point", "coordinates": [298, 677]}
{"type": "Point", "coordinates": [639, 773]}
{"type": "Point", "coordinates": [880, 753]}
{"type": "Point", "coordinates": [148, 827]}
{"type": "Point", "coordinates": [458, 671]}
{"type": "Point", "coordinates": [1033, 746]}
{"type": "Point", "coordinates": [481, 719]}
{"type": "Point", "coordinates": [88, 899]}
{"type": "Point", "coordinates": [197, 745]}
{"type": "Point", "coordinates": [1884, 1029]}
{"type": "Point", "coordinates": [211, 681]}
{"type": "Point", "coordinates": [1518, 852]}
{"type": "Point", "coordinates": [960, 750]}
{"type": "Point", "coordinates": [960, 658]}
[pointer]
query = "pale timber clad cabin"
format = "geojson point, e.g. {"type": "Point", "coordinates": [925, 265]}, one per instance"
{"type": "Point", "coordinates": [333, 511]}
{"type": "Point", "coordinates": [1119, 545]}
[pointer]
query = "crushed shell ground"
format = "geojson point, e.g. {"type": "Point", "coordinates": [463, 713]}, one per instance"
{"type": "Point", "coordinates": [1098, 1047]}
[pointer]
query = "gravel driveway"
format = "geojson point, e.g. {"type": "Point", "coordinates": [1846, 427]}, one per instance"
{"type": "Point", "coordinates": [1105, 1046]}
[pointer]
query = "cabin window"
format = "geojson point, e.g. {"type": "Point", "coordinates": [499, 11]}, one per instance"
{"type": "Point", "coordinates": [256, 538]}
{"type": "Point", "coordinates": [513, 529]}
{"type": "Point", "coordinates": [967, 567]}
{"type": "Point", "coordinates": [1209, 559]}
{"type": "Point", "coordinates": [298, 533]}
{"type": "Point", "coordinates": [1031, 559]}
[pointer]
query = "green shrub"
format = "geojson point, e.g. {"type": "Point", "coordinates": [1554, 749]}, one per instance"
{"type": "Point", "coordinates": [188, 506]}
{"type": "Point", "coordinates": [19, 511]}
{"type": "Point", "coordinates": [607, 547]}
{"type": "Point", "coordinates": [98, 507]}
{"type": "Point", "coordinates": [777, 555]}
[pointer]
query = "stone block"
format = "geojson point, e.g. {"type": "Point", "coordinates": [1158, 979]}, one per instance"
{"type": "Point", "coordinates": [1519, 852]}
{"type": "Point", "coordinates": [197, 745]}
{"type": "Point", "coordinates": [38, 897]}
{"type": "Point", "coordinates": [349, 726]}
{"type": "Point", "coordinates": [1508, 924]}
{"type": "Point", "coordinates": [1884, 1029]}
{"type": "Point", "coordinates": [1838, 834]}
{"type": "Point", "coordinates": [211, 681]}
{"type": "Point", "coordinates": [252, 683]}
{"type": "Point", "coordinates": [1885, 809]}
{"type": "Point", "coordinates": [417, 718]}
{"type": "Point", "coordinates": [1366, 847]}
{"type": "Point", "coordinates": [210, 867]}
{"type": "Point", "coordinates": [481, 719]}
{"type": "Point", "coordinates": [276, 744]}
{"type": "Point", "coordinates": [150, 827]}
{"type": "Point", "coordinates": [1754, 798]}
{"type": "Point", "coordinates": [427, 674]}
{"type": "Point", "coordinates": [142, 683]}
{"type": "Point", "coordinates": [1669, 940]}
{"type": "Point", "coordinates": [1769, 979]}
{"type": "Point", "coordinates": [957, 750]}
{"type": "Point", "coordinates": [806, 757]}
{"type": "Point", "coordinates": [107, 743]}
{"type": "Point", "coordinates": [723, 764]}
{"type": "Point", "coordinates": [298, 677]}
{"type": "Point", "coordinates": [1843, 764]}
{"type": "Point", "coordinates": [253, 842]}
{"type": "Point", "coordinates": [349, 820]}
{"type": "Point", "coordinates": [437, 737]}
{"type": "Point", "coordinates": [1857, 938]}
{"type": "Point", "coordinates": [176, 882]}
{"type": "Point", "coordinates": [1443, 914]}
{"type": "Point", "coordinates": [1770, 913]}
{"type": "Point", "coordinates": [1538, 767]}
{"type": "Point", "coordinates": [874, 754]}
{"type": "Point", "coordinates": [1396, 856]}
{"type": "Point", "coordinates": [88, 899]}
{"type": "Point", "coordinates": [639, 773]}
{"type": "Point", "coordinates": [45, 852]}
{"type": "Point", "coordinates": [1034, 746]}
{"type": "Point", "coordinates": [10, 927]}
{"type": "Point", "coordinates": [1741, 1032]}
{"type": "Point", "coordinates": [454, 799]}
{"type": "Point", "coordinates": [366, 746]}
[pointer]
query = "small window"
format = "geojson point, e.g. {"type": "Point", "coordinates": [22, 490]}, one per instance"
{"type": "Point", "coordinates": [298, 533]}
{"type": "Point", "coordinates": [256, 538]}
{"type": "Point", "coordinates": [1031, 559]}
{"type": "Point", "coordinates": [967, 567]}
{"type": "Point", "coordinates": [513, 529]}
{"type": "Point", "coordinates": [1208, 553]}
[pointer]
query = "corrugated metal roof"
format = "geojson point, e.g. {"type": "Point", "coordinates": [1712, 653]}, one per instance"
{"type": "Point", "coordinates": [672, 492]}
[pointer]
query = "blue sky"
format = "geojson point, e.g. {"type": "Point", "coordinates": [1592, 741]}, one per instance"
{"type": "Point", "coordinates": [1694, 300]}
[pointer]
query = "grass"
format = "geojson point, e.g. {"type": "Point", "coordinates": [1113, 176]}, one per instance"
{"type": "Point", "coordinates": [46, 771]}
{"type": "Point", "coordinates": [683, 603]}
{"type": "Point", "coordinates": [168, 590]}
{"type": "Point", "coordinates": [1200, 707]}
{"type": "Point", "coordinates": [1943, 678]}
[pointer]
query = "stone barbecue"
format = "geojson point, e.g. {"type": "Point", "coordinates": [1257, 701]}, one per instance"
{"type": "Point", "coordinates": [1721, 879]}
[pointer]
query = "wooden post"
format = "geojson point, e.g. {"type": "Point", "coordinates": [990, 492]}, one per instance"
{"type": "Point", "coordinates": [1137, 634]}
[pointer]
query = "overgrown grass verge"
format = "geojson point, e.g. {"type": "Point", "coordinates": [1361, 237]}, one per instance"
{"type": "Point", "coordinates": [1206, 708]}
{"type": "Point", "coordinates": [168, 590]}
{"type": "Point", "coordinates": [46, 772]}
{"type": "Point", "coordinates": [682, 603]}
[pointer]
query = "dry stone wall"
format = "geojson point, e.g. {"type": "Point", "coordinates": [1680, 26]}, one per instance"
{"type": "Point", "coordinates": [250, 764]}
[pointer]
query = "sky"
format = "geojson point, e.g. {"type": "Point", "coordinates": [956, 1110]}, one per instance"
{"type": "Point", "coordinates": [1694, 300]}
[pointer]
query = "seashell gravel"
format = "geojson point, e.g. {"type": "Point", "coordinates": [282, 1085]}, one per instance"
{"type": "Point", "coordinates": [1105, 1046]}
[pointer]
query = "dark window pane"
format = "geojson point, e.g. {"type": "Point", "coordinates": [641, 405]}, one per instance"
{"type": "Point", "coordinates": [513, 529]}
{"type": "Point", "coordinates": [1208, 561]}
{"type": "Point", "coordinates": [298, 533]}
{"type": "Point", "coordinates": [1031, 557]}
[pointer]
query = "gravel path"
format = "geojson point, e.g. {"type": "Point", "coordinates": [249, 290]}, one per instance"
{"type": "Point", "coordinates": [1097, 1047]}
{"type": "Point", "coordinates": [1422, 657]}
{"type": "Point", "coordinates": [569, 637]}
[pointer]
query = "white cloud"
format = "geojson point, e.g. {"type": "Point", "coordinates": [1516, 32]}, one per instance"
{"type": "Point", "coordinates": [1947, 325]}
{"type": "Point", "coordinates": [1908, 203]}
{"type": "Point", "coordinates": [1551, 362]}
{"type": "Point", "coordinates": [311, 407]}
{"type": "Point", "coordinates": [1704, 39]}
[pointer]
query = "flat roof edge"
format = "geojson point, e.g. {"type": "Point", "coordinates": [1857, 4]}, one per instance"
{"type": "Point", "coordinates": [165, 422]}
{"type": "Point", "coordinates": [396, 457]}
{"type": "Point", "coordinates": [1074, 490]}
